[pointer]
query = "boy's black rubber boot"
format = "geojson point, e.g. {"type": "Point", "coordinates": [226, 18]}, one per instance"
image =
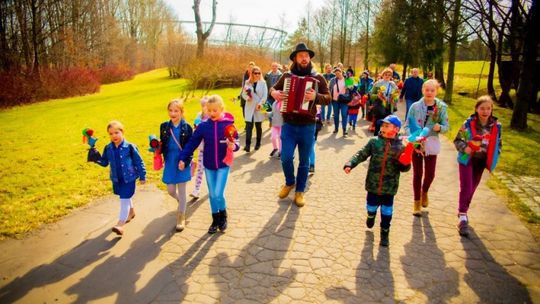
{"type": "Point", "coordinates": [370, 221]}
{"type": "Point", "coordinates": [384, 237]}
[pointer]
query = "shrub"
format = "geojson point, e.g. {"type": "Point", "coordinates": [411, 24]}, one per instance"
{"type": "Point", "coordinates": [115, 73]}
{"type": "Point", "coordinates": [17, 88]}
{"type": "Point", "coordinates": [221, 67]}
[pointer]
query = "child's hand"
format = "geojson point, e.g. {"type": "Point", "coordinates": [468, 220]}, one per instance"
{"type": "Point", "coordinates": [436, 127]}
{"type": "Point", "coordinates": [142, 181]}
{"type": "Point", "coordinates": [181, 165]}
{"type": "Point", "coordinates": [347, 168]}
{"type": "Point", "coordinates": [230, 144]}
{"type": "Point", "coordinates": [468, 150]}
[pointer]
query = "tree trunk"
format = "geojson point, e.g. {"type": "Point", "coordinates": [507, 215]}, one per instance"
{"type": "Point", "coordinates": [366, 46]}
{"type": "Point", "coordinates": [202, 36]}
{"type": "Point", "coordinates": [439, 72]}
{"type": "Point", "coordinates": [492, 54]}
{"type": "Point", "coordinates": [528, 88]}
{"type": "Point", "coordinates": [452, 46]}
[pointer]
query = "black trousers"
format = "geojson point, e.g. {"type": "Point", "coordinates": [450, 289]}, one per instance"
{"type": "Point", "coordinates": [249, 132]}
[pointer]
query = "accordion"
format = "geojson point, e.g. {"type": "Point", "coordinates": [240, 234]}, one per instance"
{"type": "Point", "coordinates": [295, 88]}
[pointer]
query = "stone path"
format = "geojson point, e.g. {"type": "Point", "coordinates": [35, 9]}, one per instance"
{"type": "Point", "coordinates": [527, 188]}
{"type": "Point", "coordinates": [274, 252]}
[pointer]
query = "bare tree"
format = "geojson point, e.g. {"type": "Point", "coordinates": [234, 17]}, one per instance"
{"type": "Point", "coordinates": [203, 35]}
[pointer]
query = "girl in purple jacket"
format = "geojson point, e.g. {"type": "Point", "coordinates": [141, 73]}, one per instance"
{"type": "Point", "coordinates": [212, 131]}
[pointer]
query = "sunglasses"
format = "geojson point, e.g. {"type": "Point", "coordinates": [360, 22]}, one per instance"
{"type": "Point", "coordinates": [257, 73]}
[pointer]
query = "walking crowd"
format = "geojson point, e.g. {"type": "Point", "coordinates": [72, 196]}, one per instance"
{"type": "Point", "coordinates": [340, 99]}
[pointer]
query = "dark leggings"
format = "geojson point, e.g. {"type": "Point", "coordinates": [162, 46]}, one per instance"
{"type": "Point", "coordinates": [249, 132]}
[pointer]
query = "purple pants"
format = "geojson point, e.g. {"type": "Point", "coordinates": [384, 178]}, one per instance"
{"type": "Point", "coordinates": [469, 178]}
{"type": "Point", "coordinates": [418, 162]}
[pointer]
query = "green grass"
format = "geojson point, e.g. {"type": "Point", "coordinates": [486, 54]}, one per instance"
{"type": "Point", "coordinates": [43, 164]}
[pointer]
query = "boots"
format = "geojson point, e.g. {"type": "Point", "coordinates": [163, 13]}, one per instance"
{"type": "Point", "coordinates": [417, 208]}
{"type": "Point", "coordinates": [285, 190]}
{"type": "Point", "coordinates": [299, 199]}
{"type": "Point", "coordinates": [180, 221]}
{"type": "Point", "coordinates": [370, 221]}
{"type": "Point", "coordinates": [214, 226]}
{"type": "Point", "coordinates": [131, 215]}
{"type": "Point", "coordinates": [424, 199]}
{"type": "Point", "coordinates": [222, 224]}
{"type": "Point", "coordinates": [384, 237]}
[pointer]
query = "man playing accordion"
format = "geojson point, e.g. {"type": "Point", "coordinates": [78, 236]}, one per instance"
{"type": "Point", "coordinates": [299, 128]}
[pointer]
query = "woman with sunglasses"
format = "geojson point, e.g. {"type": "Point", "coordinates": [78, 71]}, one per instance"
{"type": "Point", "coordinates": [255, 93]}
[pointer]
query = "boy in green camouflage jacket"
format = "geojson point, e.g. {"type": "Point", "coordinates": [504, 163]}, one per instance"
{"type": "Point", "coordinates": [388, 159]}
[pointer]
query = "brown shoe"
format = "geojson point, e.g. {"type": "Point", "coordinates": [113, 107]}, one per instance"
{"type": "Point", "coordinates": [299, 199]}
{"type": "Point", "coordinates": [424, 199]}
{"type": "Point", "coordinates": [417, 208]}
{"type": "Point", "coordinates": [285, 190]}
{"type": "Point", "coordinates": [180, 221]}
{"type": "Point", "coordinates": [131, 215]}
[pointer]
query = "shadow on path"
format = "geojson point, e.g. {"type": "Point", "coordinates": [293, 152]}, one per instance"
{"type": "Point", "coordinates": [87, 252]}
{"type": "Point", "coordinates": [488, 279]}
{"type": "Point", "coordinates": [256, 273]}
{"type": "Point", "coordinates": [374, 280]}
{"type": "Point", "coordinates": [182, 268]}
{"type": "Point", "coordinates": [424, 264]}
{"type": "Point", "coordinates": [118, 274]}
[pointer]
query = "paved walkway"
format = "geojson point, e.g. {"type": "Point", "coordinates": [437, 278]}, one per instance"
{"type": "Point", "coordinates": [275, 252]}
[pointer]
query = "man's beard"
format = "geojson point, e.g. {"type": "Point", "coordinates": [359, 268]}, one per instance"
{"type": "Point", "coordinates": [298, 70]}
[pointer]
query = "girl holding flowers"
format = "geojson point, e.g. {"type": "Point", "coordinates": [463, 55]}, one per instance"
{"type": "Point", "coordinates": [428, 112]}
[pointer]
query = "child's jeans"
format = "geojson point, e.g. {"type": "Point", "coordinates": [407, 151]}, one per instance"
{"type": "Point", "coordinates": [418, 162]}
{"type": "Point", "coordinates": [469, 178]}
{"type": "Point", "coordinates": [386, 201]}
{"type": "Point", "coordinates": [276, 138]}
{"type": "Point", "coordinates": [352, 119]}
{"type": "Point", "coordinates": [216, 181]}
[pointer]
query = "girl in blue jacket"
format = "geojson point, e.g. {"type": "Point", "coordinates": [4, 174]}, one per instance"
{"type": "Point", "coordinates": [216, 144]}
{"type": "Point", "coordinates": [126, 166]}
{"type": "Point", "coordinates": [174, 135]}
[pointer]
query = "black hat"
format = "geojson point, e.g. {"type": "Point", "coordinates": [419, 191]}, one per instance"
{"type": "Point", "coordinates": [301, 47]}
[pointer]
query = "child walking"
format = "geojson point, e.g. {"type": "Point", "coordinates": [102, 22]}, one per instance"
{"type": "Point", "coordinates": [277, 122]}
{"type": "Point", "coordinates": [479, 144]}
{"type": "Point", "coordinates": [126, 166]}
{"type": "Point", "coordinates": [213, 132]}
{"type": "Point", "coordinates": [428, 112]}
{"type": "Point", "coordinates": [174, 134]}
{"type": "Point", "coordinates": [387, 159]}
{"type": "Point", "coordinates": [201, 117]}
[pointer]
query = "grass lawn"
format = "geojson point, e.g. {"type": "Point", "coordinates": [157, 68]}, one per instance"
{"type": "Point", "coordinates": [43, 164]}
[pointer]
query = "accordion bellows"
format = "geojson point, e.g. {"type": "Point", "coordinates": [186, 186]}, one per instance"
{"type": "Point", "coordinates": [295, 88]}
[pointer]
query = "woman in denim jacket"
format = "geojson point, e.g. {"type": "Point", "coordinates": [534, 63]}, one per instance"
{"type": "Point", "coordinates": [126, 167]}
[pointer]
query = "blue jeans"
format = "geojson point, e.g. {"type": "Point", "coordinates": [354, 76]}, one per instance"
{"type": "Point", "coordinates": [303, 137]}
{"type": "Point", "coordinates": [324, 115]}
{"type": "Point", "coordinates": [408, 103]}
{"type": "Point", "coordinates": [216, 181]}
{"type": "Point", "coordinates": [312, 155]}
{"type": "Point", "coordinates": [340, 108]}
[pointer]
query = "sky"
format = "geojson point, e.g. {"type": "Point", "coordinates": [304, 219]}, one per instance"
{"type": "Point", "coordinates": [271, 13]}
